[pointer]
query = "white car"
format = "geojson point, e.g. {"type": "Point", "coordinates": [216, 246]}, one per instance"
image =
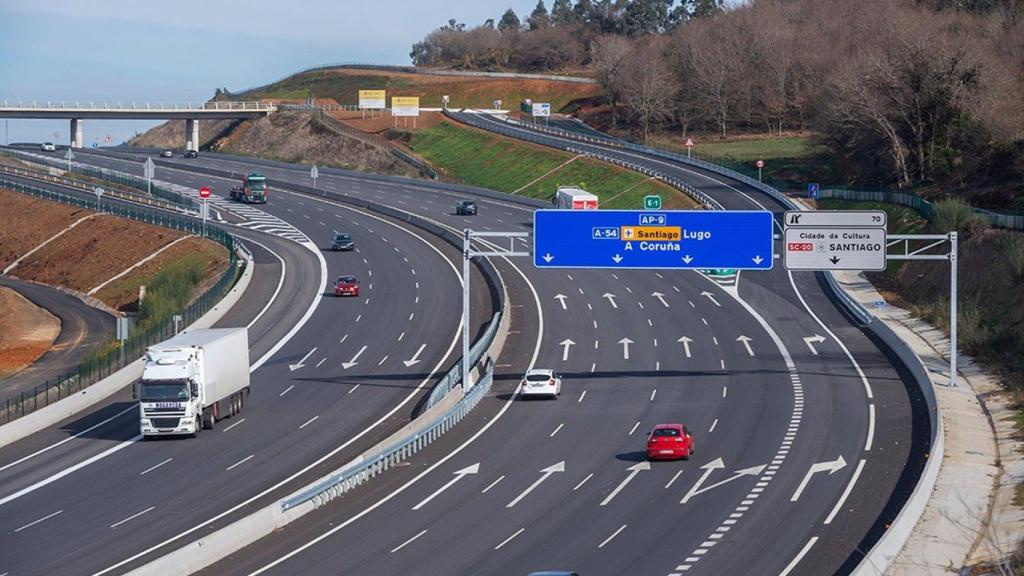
{"type": "Point", "coordinates": [48, 147]}
{"type": "Point", "coordinates": [541, 382]}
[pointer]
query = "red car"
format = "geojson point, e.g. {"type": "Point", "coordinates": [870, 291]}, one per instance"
{"type": "Point", "coordinates": [669, 441]}
{"type": "Point", "coordinates": [346, 286]}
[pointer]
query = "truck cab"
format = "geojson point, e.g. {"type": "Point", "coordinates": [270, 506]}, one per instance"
{"type": "Point", "coordinates": [169, 402]}
{"type": "Point", "coordinates": [253, 189]}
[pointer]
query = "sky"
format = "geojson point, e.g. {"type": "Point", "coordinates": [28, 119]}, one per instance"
{"type": "Point", "coordinates": [140, 51]}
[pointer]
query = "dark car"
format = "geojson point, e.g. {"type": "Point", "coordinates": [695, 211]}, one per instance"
{"type": "Point", "coordinates": [465, 208]}
{"type": "Point", "coordinates": [346, 286]}
{"type": "Point", "coordinates": [342, 242]}
{"type": "Point", "coordinates": [191, 154]}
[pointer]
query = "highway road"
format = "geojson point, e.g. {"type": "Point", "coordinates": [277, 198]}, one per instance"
{"type": "Point", "coordinates": [83, 328]}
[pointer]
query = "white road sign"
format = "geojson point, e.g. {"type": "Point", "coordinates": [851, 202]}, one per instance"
{"type": "Point", "coordinates": [835, 218]}
{"type": "Point", "coordinates": [831, 248]}
{"type": "Point", "coordinates": [148, 168]}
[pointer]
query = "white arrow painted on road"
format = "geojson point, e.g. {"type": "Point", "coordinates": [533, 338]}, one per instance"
{"type": "Point", "coordinates": [816, 338]}
{"type": "Point", "coordinates": [548, 258]}
{"type": "Point", "coordinates": [611, 299]}
{"type": "Point", "coordinates": [352, 362]}
{"type": "Point", "coordinates": [687, 259]}
{"type": "Point", "coordinates": [711, 297]}
{"type": "Point", "coordinates": [459, 475]}
{"type": "Point", "coordinates": [617, 258]}
{"type": "Point", "coordinates": [561, 298]}
{"type": "Point", "coordinates": [709, 468]}
{"type": "Point", "coordinates": [757, 259]}
{"type": "Point", "coordinates": [830, 467]}
{"type": "Point", "coordinates": [300, 364]}
{"type": "Point", "coordinates": [545, 474]}
{"type": "Point", "coordinates": [661, 297]}
{"type": "Point", "coordinates": [686, 345]}
{"type": "Point", "coordinates": [746, 342]}
{"type": "Point", "coordinates": [565, 348]}
{"type": "Point", "coordinates": [633, 471]}
{"type": "Point", "coordinates": [625, 347]}
{"type": "Point", "coordinates": [415, 357]}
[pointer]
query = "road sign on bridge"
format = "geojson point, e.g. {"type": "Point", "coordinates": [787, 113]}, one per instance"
{"type": "Point", "coordinates": [653, 239]}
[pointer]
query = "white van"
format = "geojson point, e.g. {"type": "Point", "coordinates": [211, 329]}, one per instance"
{"type": "Point", "coordinates": [574, 198]}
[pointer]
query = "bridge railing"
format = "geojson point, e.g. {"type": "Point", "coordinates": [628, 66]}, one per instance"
{"type": "Point", "coordinates": [138, 106]}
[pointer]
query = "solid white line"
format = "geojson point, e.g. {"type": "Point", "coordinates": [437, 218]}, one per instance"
{"type": "Point", "coordinates": [635, 426]}
{"type": "Point", "coordinates": [30, 524]}
{"type": "Point", "coordinates": [673, 480]}
{"type": "Point", "coordinates": [286, 390]}
{"type": "Point", "coordinates": [582, 482]}
{"type": "Point", "coordinates": [235, 424]}
{"type": "Point", "coordinates": [509, 539]}
{"type": "Point", "coordinates": [492, 484]}
{"type": "Point", "coordinates": [614, 534]}
{"type": "Point", "coordinates": [407, 542]}
{"type": "Point", "coordinates": [846, 492]}
{"type": "Point", "coordinates": [308, 422]}
{"type": "Point", "coordinates": [799, 557]}
{"type": "Point", "coordinates": [151, 468]}
{"type": "Point", "coordinates": [552, 435]}
{"type": "Point", "coordinates": [871, 428]}
{"type": "Point", "coordinates": [280, 281]}
{"type": "Point", "coordinates": [132, 517]}
{"type": "Point", "coordinates": [713, 424]}
{"type": "Point", "coordinates": [134, 407]}
{"type": "Point", "coordinates": [243, 460]}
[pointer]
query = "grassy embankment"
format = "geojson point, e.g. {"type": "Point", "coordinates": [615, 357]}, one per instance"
{"type": "Point", "coordinates": [483, 159]}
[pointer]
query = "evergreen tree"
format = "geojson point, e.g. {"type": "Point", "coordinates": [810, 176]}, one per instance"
{"type": "Point", "coordinates": [539, 17]}
{"type": "Point", "coordinates": [561, 12]}
{"type": "Point", "coordinates": [509, 21]}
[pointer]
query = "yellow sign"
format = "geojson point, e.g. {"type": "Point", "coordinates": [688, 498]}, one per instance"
{"type": "Point", "coordinates": [372, 99]}
{"type": "Point", "coordinates": [651, 233]}
{"type": "Point", "coordinates": [405, 105]}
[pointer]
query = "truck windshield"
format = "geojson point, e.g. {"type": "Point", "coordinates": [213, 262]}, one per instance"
{"type": "Point", "coordinates": [164, 391]}
{"type": "Point", "coordinates": [257, 185]}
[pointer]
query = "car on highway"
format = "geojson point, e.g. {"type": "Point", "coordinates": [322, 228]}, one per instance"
{"type": "Point", "coordinates": [541, 382]}
{"type": "Point", "coordinates": [342, 242]}
{"type": "Point", "coordinates": [47, 147]}
{"type": "Point", "coordinates": [465, 208]}
{"type": "Point", "coordinates": [191, 154]}
{"type": "Point", "coordinates": [670, 442]}
{"type": "Point", "coordinates": [720, 272]}
{"type": "Point", "coordinates": [346, 286]}
{"type": "Point", "coordinates": [167, 153]}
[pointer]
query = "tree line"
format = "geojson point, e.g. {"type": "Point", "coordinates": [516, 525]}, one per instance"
{"type": "Point", "coordinates": [906, 92]}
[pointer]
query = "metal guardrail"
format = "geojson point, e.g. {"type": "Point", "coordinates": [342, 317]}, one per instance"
{"type": "Point", "coordinates": [225, 105]}
{"type": "Point", "coordinates": [454, 376]}
{"type": "Point", "coordinates": [86, 188]}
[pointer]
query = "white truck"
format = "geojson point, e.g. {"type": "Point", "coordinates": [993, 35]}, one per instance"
{"type": "Point", "coordinates": [574, 198]}
{"type": "Point", "coordinates": [192, 380]}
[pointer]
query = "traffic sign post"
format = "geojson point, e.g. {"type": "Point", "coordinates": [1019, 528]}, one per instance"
{"type": "Point", "coordinates": [652, 202]}
{"type": "Point", "coordinates": [760, 166]}
{"type": "Point", "coordinates": [98, 191]}
{"type": "Point", "coordinates": [148, 171]}
{"type": "Point", "coordinates": [314, 173]}
{"type": "Point", "coordinates": [681, 239]}
{"type": "Point", "coordinates": [834, 240]}
{"type": "Point", "coordinates": [812, 190]}
{"type": "Point", "coordinates": [205, 193]}
{"type": "Point", "coordinates": [69, 157]}
{"type": "Point", "coordinates": [689, 146]}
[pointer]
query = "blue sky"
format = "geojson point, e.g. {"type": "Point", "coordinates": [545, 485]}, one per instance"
{"type": "Point", "coordinates": [120, 50]}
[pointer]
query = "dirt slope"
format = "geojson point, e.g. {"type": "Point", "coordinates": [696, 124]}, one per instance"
{"type": "Point", "coordinates": [26, 331]}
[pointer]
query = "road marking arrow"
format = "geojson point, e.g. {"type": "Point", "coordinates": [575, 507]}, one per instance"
{"type": "Point", "coordinates": [415, 357]}
{"type": "Point", "coordinates": [816, 338]}
{"type": "Point", "coordinates": [545, 473]}
{"type": "Point", "coordinates": [686, 345]}
{"type": "Point", "coordinates": [548, 258]}
{"type": "Point", "coordinates": [625, 347]}
{"type": "Point", "coordinates": [830, 467]}
{"type": "Point", "coordinates": [611, 299]}
{"type": "Point", "coordinates": [617, 258]}
{"type": "Point", "coordinates": [746, 342]}
{"type": "Point", "coordinates": [561, 298]}
{"type": "Point", "coordinates": [687, 259]}
{"type": "Point", "coordinates": [633, 471]}
{"type": "Point", "coordinates": [565, 348]}
{"type": "Point", "coordinates": [459, 474]}
{"type": "Point", "coordinates": [300, 364]}
{"type": "Point", "coordinates": [352, 362]}
{"type": "Point", "coordinates": [757, 259]}
{"type": "Point", "coordinates": [711, 297]}
{"type": "Point", "coordinates": [709, 468]}
{"type": "Point", "coordinates": [661, 297]}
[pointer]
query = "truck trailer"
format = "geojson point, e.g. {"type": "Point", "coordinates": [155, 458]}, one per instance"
{"type": "Point", "coordinates": [193, 380]}
{"type": "Point", "coordinates": [574, 198]}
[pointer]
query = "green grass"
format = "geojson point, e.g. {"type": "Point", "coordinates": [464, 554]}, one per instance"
{"type": "Point", "coordinates": [169, 290]}
{"type": "Point", "coordinates": [759, 149]}
{"type": "Point", "coordinates": [483, 159]}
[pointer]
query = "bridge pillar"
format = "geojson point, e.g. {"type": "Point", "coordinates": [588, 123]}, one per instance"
{"type": "Point", "coordinates": [76, 133]}
{"type": "Point", "coordinates": [192, 134]}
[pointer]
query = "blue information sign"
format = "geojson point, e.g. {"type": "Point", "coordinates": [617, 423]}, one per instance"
{"type": "Point", "coordinates": [812, 190]}
{"type": "Point", "coordinates": [653, 239]}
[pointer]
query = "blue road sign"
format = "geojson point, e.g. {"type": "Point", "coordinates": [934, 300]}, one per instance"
{"type": "Point", "coordinates": [812, 190]}
{"type": "Point", "coordinates": [699, 239]}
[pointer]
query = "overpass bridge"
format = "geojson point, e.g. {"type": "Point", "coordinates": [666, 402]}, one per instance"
{"type": "Point", "coordinates": [191, 113]}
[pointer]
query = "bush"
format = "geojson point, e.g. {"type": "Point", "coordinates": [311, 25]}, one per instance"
{"type": "Point", "coordinates": [1012, 246]}
{"type": "Point", "coordinates": [955, 214]}
{"type": "Point", "coordinates": [169, 291]}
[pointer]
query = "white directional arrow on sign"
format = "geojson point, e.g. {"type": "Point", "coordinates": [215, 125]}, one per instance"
{"type": "Point", "coordinates": [830, 467]}
{"type": "Point", "coordinates": [352, 362]}
{"type": "Point", "coordinates": [709, 468]}
{"type": "Point", "coordinates": [565, 344]}
{"type": "Point", "coordinates": [300, 363]}
{"type": "Point", "coordinates": [548, 257]}
{"type": "Point", "coordinates": [459, 474]}
{"type": "Point", "coordinates": [561, 298]}
{"type": "Point", "coordinates": [816, 338]}
{"type": "Point", "coordinates": [545, 474]}
{"type": "Point", "coordinates": [711, 297]}
{"type": "Point", "coordinates": [746, 342]}
{"type": "Point", "coordinates": [617, 258]}
{"type": "Point", "coordinates": [687, 259]}
{"type": "Point", "coordinates": [633, 471]}
{"type": "Point", "coordinates": [625, 347]}
{"type": "Point", "coordinates": [686, 345]}
{"type": "Point", "coordinates": [415, 357]}
{"type": "Point", "coordinates": [661, 297]}
{"type": "Point", "coordinates": [757, 259]}
{"type": "Point", "coordinates": [611, 299]}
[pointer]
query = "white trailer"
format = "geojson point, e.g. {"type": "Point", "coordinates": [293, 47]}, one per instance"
{"type": "Point", "coordinates": [574, 198]}
{"type": "Point", "coordinates": [192, 380]}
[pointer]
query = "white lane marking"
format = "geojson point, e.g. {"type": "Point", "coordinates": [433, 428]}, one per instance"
{"type": "Point", "coordinates": [715, 339]}
{"type": "Point", "coordinates": [240, 462]}
{"type": "Point", "coordinates": [151, 468]}
{"type": "Point", "coordinates": [713, 424]}
{"type": "Point", "coordinates": [582, 482]}
{"type": "Point", "coordinates": [725, 391]}
{"type": "Point", "coordinates": [308, 422]}
{"type": "Point", "coordinates": [593, 367]}
{"type": "Point", "coordinates": [614, 534]}
{"type": "Point", "coordinates": [286, 390]}
{"type": "Point", "coordinates": [134, 407]}
{"type": "Point", "coordinates": [400, 336]}
{"type": "Point", "coordinates": [509, 539]}
{"type": "Point", "coordinates": [321, 362]}
{"type": "Point", "coordinates": [582, 394]}
{"type": "Point", "coordinates": [633, 429]}
{"type": "Point", "coordinates": [692, 305]}
{"type": "Point", "coordinates": [358, 318]}
{"type": "Point", "coordinates": [493, 484]}
{"type": "Point", "coordinates": [653, 393]}
{"type": "Point", "coordinates": [723, 363]}
{"type": "Point", "coordinates": [31, 524]}
{"type": "Point", "coordinates": [803, 552]}
{"type": "Point", "coordinates": [674, 478]}
{"type": "Point", "coordinates": [704, 320]}
{"type": "Point", "coordinates": [407, 542]}
{"type": "Point", "coordinates": [383, 360]}
{"type": "Point", "coordinates": [343, 338]}
{"type": "Point", "coordinates": [846, 493]}
{"type": "Point", "coordinates": [871, 428]}
{"type": "Point", "coordinates": [235, 424]}
{"type": "Point", "coordinates": [559, 427]}
{"type": "Point", "coordinates": [354, 388]}
{"type": "Point", "coordinates": [70, 470]}
{"type": "Point", "coordinates": [132, 517]}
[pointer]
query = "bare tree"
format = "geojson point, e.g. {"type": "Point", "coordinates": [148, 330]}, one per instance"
{"type": "Point", "coordinates": [646, 85]}
{"type": "Point", "coordinates": [608, 54]}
